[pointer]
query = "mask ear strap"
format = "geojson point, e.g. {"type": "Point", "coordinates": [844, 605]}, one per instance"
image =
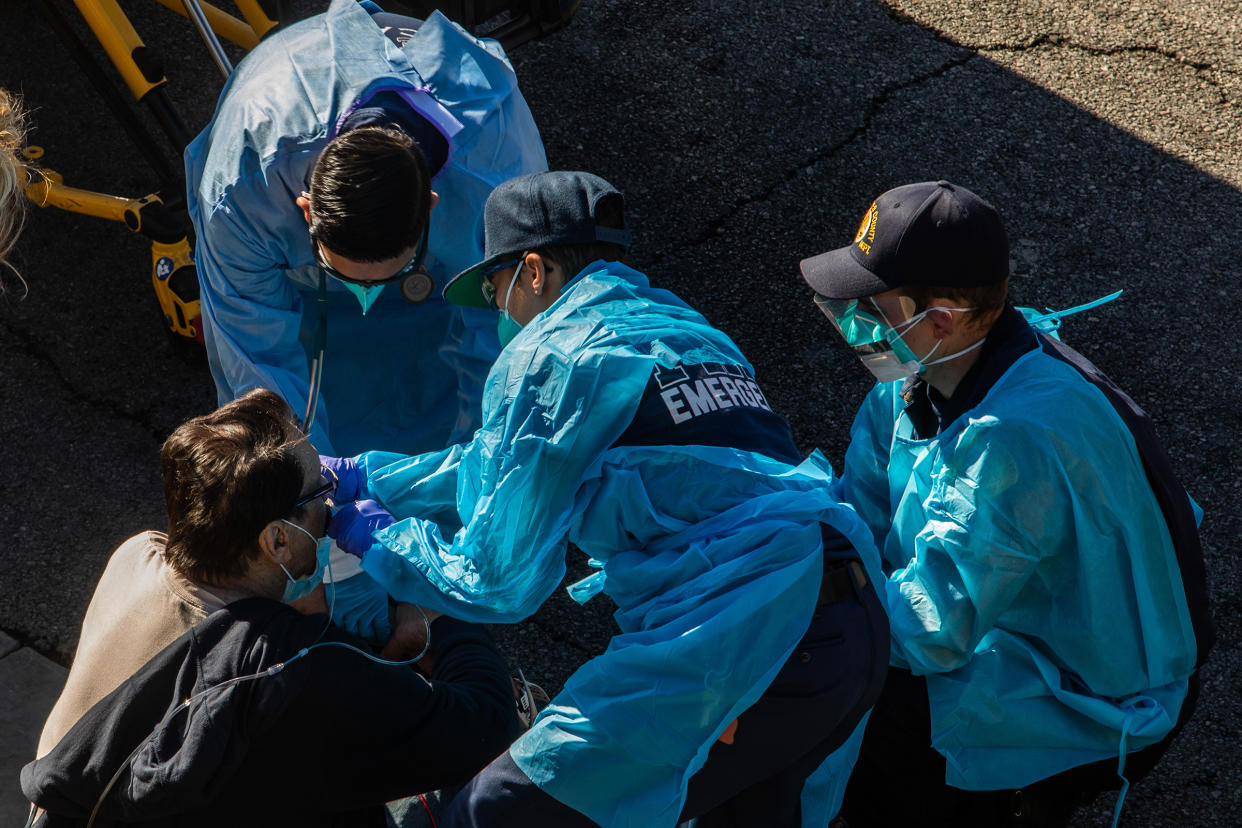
{"type": "Point", "coordinates": [923, 360]}
{"type": "Point", "coordinates": [921, 314]}
{"type": "Point", "coordinates": [517, 273]}
{"type": "Point", "coordinates": [909, 323]}
{"type": "Point", "coordinates": [301, 529]}
{"type": "Point", "coordinates": [962, 352]}
{"type": "Point", "coordinates": [881, 312]}
{"type": "Point", "coordinates": [281, 565]}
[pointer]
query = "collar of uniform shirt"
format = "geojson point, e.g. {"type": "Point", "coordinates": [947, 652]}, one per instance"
{"type": "Point", "coordinates": [930, 413]}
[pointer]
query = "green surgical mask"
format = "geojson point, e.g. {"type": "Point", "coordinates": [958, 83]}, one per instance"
{"type": "Point", "coordinates": [506, 329]}
{"type": "Point", "coordinates": [366, 296]}
{"type": "Point", "coordinates": [878, 344]}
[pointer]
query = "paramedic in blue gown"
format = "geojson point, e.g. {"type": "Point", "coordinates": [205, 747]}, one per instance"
{"type": "Point", "coordinates": [1045, 584]}
{"type": "Point", "coordinates": [617, 418]}
{"type": "Point", "coordinates": [339, 184]}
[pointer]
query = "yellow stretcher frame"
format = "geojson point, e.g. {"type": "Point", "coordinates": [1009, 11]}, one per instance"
{"type": "Point", "coordinates": [173, 274]}
{"type": "Point", "coordinates": [172, 259]}
{"type": "Point", "coordinates": [124, 47]}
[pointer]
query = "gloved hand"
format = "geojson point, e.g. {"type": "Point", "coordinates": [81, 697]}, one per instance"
{"type": "Point", "coordinates": [354, 525]}
{"type": "Point", "coordinates": [349, 478]}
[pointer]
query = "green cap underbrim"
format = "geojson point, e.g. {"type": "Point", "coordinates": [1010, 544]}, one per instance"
{"type": "Point", "coordinates": [466, 288]}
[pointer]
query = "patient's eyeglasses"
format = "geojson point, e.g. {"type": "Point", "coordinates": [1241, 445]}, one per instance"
{"type": "Point", "coordinates": [325, 490]}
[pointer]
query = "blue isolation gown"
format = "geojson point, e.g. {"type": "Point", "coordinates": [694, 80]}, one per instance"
{"type": "Point", "coordinates": [713, 555]}
{"type": "Point", "coordinates": [404, 377]}
{"type": "Point", "coordinates": [1032, 575]}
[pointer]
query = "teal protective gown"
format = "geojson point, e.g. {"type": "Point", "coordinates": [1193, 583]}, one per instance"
{"type": "Point", "coordinates": [404, 377]}
{"type": "Point", "coordinates": [1032, 577]}
{"type": "Point", "coordinates": [713, 555]}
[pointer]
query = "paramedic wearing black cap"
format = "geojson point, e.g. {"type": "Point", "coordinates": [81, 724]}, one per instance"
{"type": "Point", "coordinates": [1045, 584]}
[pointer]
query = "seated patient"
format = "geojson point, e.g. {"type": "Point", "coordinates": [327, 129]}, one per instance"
{"type": "Point", "coordinates": [326, 735]}
{"type": "Point", "coordinates": [1045, 585]}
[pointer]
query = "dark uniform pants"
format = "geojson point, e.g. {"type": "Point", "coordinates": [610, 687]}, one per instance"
{"type": "Point", "coordinates": [831, 680]}
{"type": "Point", "coordinates": [899, 778]}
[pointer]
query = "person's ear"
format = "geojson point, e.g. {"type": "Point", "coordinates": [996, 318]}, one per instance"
{"type": "Point", "coordinates": [543, 273]}
{"type": "Point", "coordinates": [944, 323]}
{"type": "Point", "coordinates": [435, 198]}
{"type": "Point", "coordinates": [304, 202]}
{"type": "Point", "coordinates": [276, 542]}
{"type": "Point", "coordinates": [538, 270]}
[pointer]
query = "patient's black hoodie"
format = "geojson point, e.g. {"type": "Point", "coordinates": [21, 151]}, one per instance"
{"type": "Point", "coordinates": [323, 741]}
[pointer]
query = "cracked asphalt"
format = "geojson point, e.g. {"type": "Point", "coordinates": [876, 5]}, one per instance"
{"type": "Point", "coordinates": [746, 136]}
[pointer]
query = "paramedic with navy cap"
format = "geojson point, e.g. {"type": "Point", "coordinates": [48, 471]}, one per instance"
{"type": "Point", "coordinates": [618, 419]}
{"type": "Point", "coordinates": [1045, 585]}
{"type": "Point", "coordinates": [339, 185]}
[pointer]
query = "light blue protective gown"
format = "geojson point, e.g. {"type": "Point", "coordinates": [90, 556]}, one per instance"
{"type": "Point", "coordinates": [1032, 576]}
{"type": "Point", "coordinates": [404, 377]}
{"type": "Point", "coordinates": [713, 555]}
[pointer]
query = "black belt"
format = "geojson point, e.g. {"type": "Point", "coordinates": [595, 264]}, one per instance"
{"type": "Point", "coordinates": [842, 579]}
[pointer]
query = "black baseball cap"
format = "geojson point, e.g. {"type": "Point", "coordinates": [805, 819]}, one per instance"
{"type": "Point", "coordinates": [931, 233]}
{"type": "Point", "coordinates": [534, 211]}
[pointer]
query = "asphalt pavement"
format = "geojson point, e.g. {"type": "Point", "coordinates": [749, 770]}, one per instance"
{"type": "Point", "coordinates": [746, 137]}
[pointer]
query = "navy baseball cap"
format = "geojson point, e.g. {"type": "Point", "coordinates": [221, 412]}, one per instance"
{"type": "Point", "coordinates": [533, 211]}
{"type": "Point", "coordinates": [933, 233]}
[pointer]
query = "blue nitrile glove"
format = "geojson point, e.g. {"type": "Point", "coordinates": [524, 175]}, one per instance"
{"type": "Point", "coordinates": [360, 605]}
{"type": "Point", "coordinates": [349, 478]}
{"type": "Point", "coordinates": [354, 525]}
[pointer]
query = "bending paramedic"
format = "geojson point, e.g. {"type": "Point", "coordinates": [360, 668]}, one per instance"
{"type": "Point", "coordinates": [175, 614]}
{"type": "Point", "coordinates": [1045, 584]}
{"type": "Point", "coordinates": [616, 417]}
{"type": "Point", "coordinates": [339, 184]}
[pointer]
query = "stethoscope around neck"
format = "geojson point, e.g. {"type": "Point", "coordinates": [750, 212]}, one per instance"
{"type": "Point", "coordinates": [416, 287]}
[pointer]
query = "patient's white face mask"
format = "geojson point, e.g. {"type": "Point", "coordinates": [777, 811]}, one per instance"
{"type": "Point", "coordinates": [299, 587]}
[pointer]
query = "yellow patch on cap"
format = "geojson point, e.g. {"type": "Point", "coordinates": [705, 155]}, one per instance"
{"type": "Point", "coordinates": [865, 236]}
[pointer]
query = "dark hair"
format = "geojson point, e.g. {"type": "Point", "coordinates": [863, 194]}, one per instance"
{"type": "Point", "coordinates": [370, 194]}
{"type": "Point", "coordinates": [987, 300]}
{"type": "Point", "coordinates": [226, 475]}
{"type": "Point", "coordinates": [571, 258]}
